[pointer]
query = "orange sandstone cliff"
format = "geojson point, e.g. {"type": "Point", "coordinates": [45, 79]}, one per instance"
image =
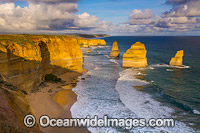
{"type": "Point", "coordinates": [115, 50]}
{"type": "Point", "coordinates": [178, 59]}
{"type": "Point", "coordinates": [26, 59]}
{"type": "Point", "coordinates": [92, 42]}
{"type": "Point", "coordinates": [135, 56]}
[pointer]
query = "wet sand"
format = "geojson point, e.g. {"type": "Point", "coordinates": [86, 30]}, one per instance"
{"type": "Point", "coordinates": [55, 100]}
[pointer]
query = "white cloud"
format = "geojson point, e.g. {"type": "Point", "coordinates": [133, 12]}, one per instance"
{"type": "Point", "coordinates": [43, 16]}
{"type": "Point", "coordinates": [85, 20]}
{"type": "Point", "coordinates": [137, 17]}
{"type": "Point", "coordinates": [189, 9]}
{"type": "Point", "coordinates": [138, 14]}
{"type": "Point", "coordinates": [184, 16]}
{"type": "Point", "coordinates": [44, 1]}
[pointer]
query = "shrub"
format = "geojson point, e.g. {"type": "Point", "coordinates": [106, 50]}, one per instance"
{"type": "Point", "coordinates": [52, 78]}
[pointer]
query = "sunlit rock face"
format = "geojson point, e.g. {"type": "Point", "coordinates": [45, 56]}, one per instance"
{"type": "Point", "coordinates": [83, 42]}
{"type": "Point", "coordinates": [115, 50]}
{"type": "Point", "coordinates": [88, 50]}
{"type": "Point", "coordinates": [96, 42]}
{"type": "Point", "coordinates": [25, 65]}
{"type": "Point", "coordinates": [135, 56]}
{"type": "Point", "coordinates": [92, 42]}
{"type": "Point", "coordinates": [178, 59]}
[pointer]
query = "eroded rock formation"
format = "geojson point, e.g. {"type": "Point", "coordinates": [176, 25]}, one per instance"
{"type": "Point", "coordinates": [25, 63]}
{"type": "Point", "coordinates": [92, 42]}
{"type": "Point", "coordinates": [135, 56]}
{"type": "Point", "coordinates": [115, 50]}
{"type": "Point", "coordinates": [178, 59]}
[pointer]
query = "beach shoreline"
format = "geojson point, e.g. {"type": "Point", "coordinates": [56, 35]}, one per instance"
{"type": "Point", "coordinates": [55, 100]}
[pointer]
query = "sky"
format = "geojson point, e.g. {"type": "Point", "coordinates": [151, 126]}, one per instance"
{"type": "Point", "coordinates": [114, 17]}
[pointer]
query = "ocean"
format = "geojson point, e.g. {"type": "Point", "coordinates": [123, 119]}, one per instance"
{"type": "Point", "coordinates": [158, 91]}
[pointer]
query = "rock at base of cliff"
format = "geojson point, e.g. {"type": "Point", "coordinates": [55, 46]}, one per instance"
{"type": "Point", "coordinates": [178, 59]}
{"type": "Point", "coordinates": [88, 50]}
{"type": "Point", "coordinates": [135, 56]}
{"type": "Point", "coordinates": [115, 50]}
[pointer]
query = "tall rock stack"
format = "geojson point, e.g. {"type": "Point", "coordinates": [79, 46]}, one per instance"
{"type": "Point", "coordinates": [135, 56]}
{"type": "Point", "coordinates": [115, 50]}
{"type": "Point", "coordinates": [178, 59]}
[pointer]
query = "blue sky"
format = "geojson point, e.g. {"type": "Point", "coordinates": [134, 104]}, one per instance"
{"type": "Point", "coordinates": [119, 10]}
{"type": "Point", "coordinates": [21, 3]}
{"type": "Point", "coordinates": [118, 17]}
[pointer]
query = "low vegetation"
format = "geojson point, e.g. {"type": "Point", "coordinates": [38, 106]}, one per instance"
{"type": "Point", "coordinates": [52, 78]}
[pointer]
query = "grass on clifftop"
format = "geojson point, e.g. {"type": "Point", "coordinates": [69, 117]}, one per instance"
{"type": "Point", "coordinates": [23, 39]}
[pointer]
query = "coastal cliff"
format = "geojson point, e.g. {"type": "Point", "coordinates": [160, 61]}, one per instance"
{"type": "Point", "coordinates": [135, 56]}
{"type": "Point", "coordinates": [92, 42]}
{"type": "Point", "coordinates": [26, 59]}
{"type": "Point", "coordinates": [115, 50]}
{"type": "Point", "coordinates": [178, 59]}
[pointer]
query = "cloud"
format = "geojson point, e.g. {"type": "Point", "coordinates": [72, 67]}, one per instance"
{"type": "Point", "coordinates": [34, 16]}
{"type": "Point", "coordinates": [176, 2]}
{"type": "Point", "coordinates": [188, 9]}
{"type": "Point", "coordinates": [85, 20]}
{"type": "Point", "coordinates": [44, 1]}
{"type": "Point", "coordinates": [45, 16]}
{"type": "Point", "coordinates": [138, 14]}
{"type": "Point", "coordinates": [137, 17]}
{"type": "Point", "coordinates": [184, 16]}
{"type": "Point", "coordinates": [62, 16]}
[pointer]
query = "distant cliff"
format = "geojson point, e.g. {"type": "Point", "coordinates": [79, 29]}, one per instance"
{"type": "Point", "coordinates": [92, 42]}
{"type": "Point", "coordinates": [90, 35]}
{"type": "Point", "coordinates": [135, 56]}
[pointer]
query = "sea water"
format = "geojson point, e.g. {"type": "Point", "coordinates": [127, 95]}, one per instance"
{"type": "Point", "coordinates": [165, 92]}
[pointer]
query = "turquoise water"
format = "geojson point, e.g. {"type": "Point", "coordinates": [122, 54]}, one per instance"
{"type": "Point", "coordinates": [109, 89]}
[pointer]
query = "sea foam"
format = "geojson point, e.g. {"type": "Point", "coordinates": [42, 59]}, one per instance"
{"type": "Point", "coordinates": [105, 91]}
{"type": "Point", "coordinates": [142, 104]}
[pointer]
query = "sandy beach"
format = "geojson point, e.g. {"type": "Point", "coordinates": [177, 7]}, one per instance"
{"type": "Point", "coordinates": [55, 100]}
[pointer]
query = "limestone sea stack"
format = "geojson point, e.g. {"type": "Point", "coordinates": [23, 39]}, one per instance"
{"type": "Point", "coordinates": [115, 50]}
{"type": "Point", "coordinates": [178, 59]}
{"type": "Point", "coordinates": [135, 56]}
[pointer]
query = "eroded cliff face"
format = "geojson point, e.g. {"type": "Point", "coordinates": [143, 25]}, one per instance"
{"type": "Point", "coordinates": [178, 59]}
{"type": "Point", "coordinates": [115, 50]}
{"type": "Point", "coordinates": [25, 65]}
{"type": "Point", "coordinates": [135, 56]}
{"type": "Point", "coordinates": [13, 107]}
{"type": "Point", "coordinates": [92, 42]}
